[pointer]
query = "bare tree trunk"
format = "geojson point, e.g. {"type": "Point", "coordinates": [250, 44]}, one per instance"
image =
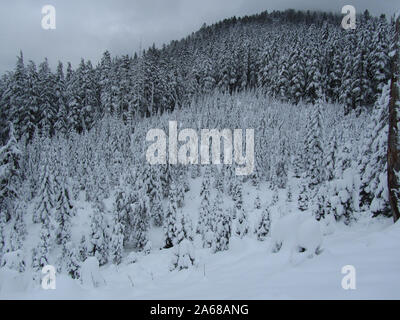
{"type": "Point", "coordinates": [394, 133]}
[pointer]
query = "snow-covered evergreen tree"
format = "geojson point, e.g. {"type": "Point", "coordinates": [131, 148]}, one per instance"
{"type": "Point", "coordinates": [10, 157]}
{"type": "Point", "coordinates": [180, 190]}
{"type": "Point", "coordinates": [237, 194]}
{"type": "Point", "coordinates": [275, 196]}
{"type": "Point", "coordinates": [298, 163]}
{"type": "Point", "coordinates": [64, 212]}
{"type": "Point", "coordinates": [117, 239]}
{"type": "Point", "coordinates": [184, 228]}
{"type": "Point", "coordinates": [45, 198]}
{"type": "Point", "coordinates": [341, 202]}
{"type": "Point", "coordinates": [289, 194]}
{"type": "Point", "coordinates": [124, 208]}
{"type": "Point", "coordinates": [184, 256]}
{"type": "Point", "coordinates": [41, 254]}
{"type": "Point", "coordinates": [257, 202]}
{"type": "Point", "coordinates": [171, 218]}
{"type": "Point", "coordinates": [242, 224]}
{"type": "Point", "coordinates": [83, 250]}
{"type": "Point", "coordinates": [374, 190]}
{"type": "Point", "coordinates": [98, 246]}
{"type": "Point", "coordinates": [318, 208]}
{"type": "Point", "coordinates": [263, 225]}
{"type": "Point", "coordinates": [72, 261]}
{"type": "Point", "coordinates": [157, 210]}
{"type": "Point", "coordinates": [330, 162]}
{"type": "Point", "coordinates": [219, 180]}
{"type": "Point", "coordinates": [223, 226]}
{"type": "Point", "coordinates": [140, 222]}
{"type": "Point", "coordinates": [2, 235]}
{"type": "Point", "coordinates": [303, 198]}
{"type": "Point", "coordinates": [205, 205]}
{"type": "Point", "coordinates": [195, 171]}
{"type": "Point", "coordinates": [18, 230]}
{"type": "Point", "coordinates": [314, 161]}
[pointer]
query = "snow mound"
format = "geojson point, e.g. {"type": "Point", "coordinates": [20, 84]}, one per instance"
{"type": "Point", "coordinates": [131, 258]}
{"type": "Point", "coordinates": [14, 282]}
{"type": "Point", "coordinates": [297, 233]}
{"type": "Point", "coordinates": [90, 273]}
{"type": "Point", "coordinates": [13, 261]}
{"type": "Point", "coordinates": [283, 232]}
{"type": "Point", "coordinates": [147, 248]}
{"type": "Point", "coordinates": [309, 237]}
{"type": "Point", "coordinates": [184, 256]}
{"type": "Point", "coordinates": [328, 225]}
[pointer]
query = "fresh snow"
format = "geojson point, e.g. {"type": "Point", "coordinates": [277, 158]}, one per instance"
{"type": "Point", "coordinates": [250, 269]}
{"type": "Point", "coordinates": [90, 273]}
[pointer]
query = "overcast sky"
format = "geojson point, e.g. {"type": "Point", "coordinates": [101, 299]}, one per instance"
{"type": "Point", "coordinates": [86, 28]}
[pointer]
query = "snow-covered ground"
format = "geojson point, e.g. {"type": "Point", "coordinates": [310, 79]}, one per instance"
{"type": "Point", "coordinates": [250, 269]}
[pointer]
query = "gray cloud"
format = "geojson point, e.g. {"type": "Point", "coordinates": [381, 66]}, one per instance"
{"type": "Point", "coordinates": [87, 28]}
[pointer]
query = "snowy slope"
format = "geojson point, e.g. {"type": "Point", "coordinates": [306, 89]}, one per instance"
{"type": "Point", "coordinates": [249, 270]}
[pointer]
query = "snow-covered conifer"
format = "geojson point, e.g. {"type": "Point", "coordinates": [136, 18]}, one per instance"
{"type": "Point", "coordinates": [72, 261]}
{"type": "Point", "coordinates": [98, 246]}
{"type": "Point", "coordinates": [64, 212]}
{"type": "Point", "coordinates": [237, 194]}
{"type": "Point", "coordinates": [374, 193]}
{"type": "Point", "coordinates": [184, 228]}
{"type": "Point", "coordinates": [183, 256]}
{"type": "Point", "coordinates": [10, 157]}
{"type": "Point", "coordinates": [18, 231]}
{"type": "Point", "coordinates": [303, 198]}
{"type": "Point", "coordinates": [41, 254]}
{"type": "Point", "coordinates": [82, 250]}
{"type": "Point", "coordinates": [45, 198]}
{"type": "Point", "coordinates": [140, 221]}
{"type": "Point", "coordinates": [223, 226]}
{"type": "Point", "coordinates": [275, 196]}
{"type": "Point", "coordinates": [314, 161]}
{"type": "Point", "coordinates": [263, 225]}
{"type": "Point", "coordinates": [257, 202]}
{"type": "Point", "coordinates": [242, 224]}
{"type": "Point", "coordinates": [289, 194]}
{"type": "Point", "coordinates": [171, 218]}
{"type": "Point", "coordinates": [117, 239]}
{"type": "Point", "coordinates": [205, 205]}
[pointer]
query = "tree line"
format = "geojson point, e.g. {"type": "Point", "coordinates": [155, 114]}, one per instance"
{"type": "Point", "coordinates": [294, 56]}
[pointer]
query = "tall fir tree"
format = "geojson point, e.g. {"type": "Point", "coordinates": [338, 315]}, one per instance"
{"type": "Point", "coordinates": [10, 174]}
